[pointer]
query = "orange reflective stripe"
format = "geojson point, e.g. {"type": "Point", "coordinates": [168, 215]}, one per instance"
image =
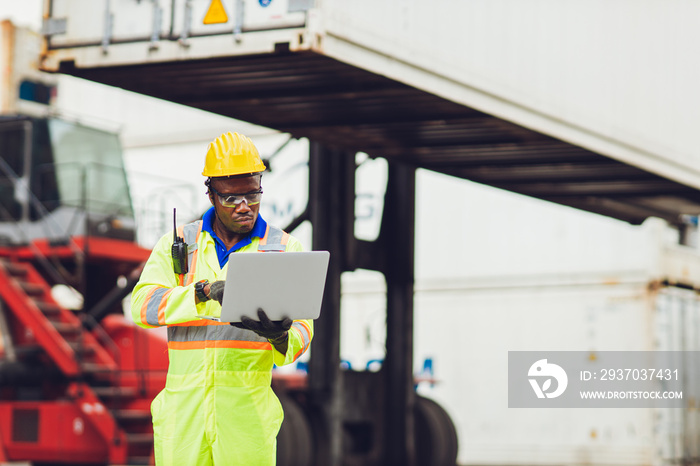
{"type": "Point", "coordinates": [306, 327]}
{"type": "Point", "coordinates": [307, 340]}
{"type": "Point", "coordinates": [197, 323]}
{"type": "Point", "coordinates": [263, 240]}
{"type": "Point", "coordinates": [188, 278]}
{"type": "Point", "coordinates": [144, 308]}
{"type": "Point", "coordinates": [193, 267]}
{"type": "Point", "coordinates": [235, 344]}
{"type": "Point", "coordinates": [161, 306]}
{"type": "Point", "coordinates": [275, 240]}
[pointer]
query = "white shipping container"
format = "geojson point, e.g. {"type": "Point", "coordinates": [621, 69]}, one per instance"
{"type": "Point", "coordinates": [472, 370]}
{"type": "Point", "coordinates": [467, 329]}
{"type": "Point", "coordinates": [498, 272]}
{"type": "Point", "coordinates": [612, 78]}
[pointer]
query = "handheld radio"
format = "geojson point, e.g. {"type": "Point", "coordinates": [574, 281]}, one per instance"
{"type": "Point", "coordinates": [179, 251]}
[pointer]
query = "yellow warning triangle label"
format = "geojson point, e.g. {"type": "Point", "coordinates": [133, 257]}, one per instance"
{"type": "Point", "coordinates": [216, 14]}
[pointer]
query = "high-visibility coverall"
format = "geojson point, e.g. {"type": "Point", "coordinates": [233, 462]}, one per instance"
{"type": "Point", "coordinates": [217, 406]}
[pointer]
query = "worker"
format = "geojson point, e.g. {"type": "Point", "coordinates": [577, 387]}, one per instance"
{"type": "Point", "coordinates": [217, 407]}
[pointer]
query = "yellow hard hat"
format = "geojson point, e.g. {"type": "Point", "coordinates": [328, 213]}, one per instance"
{"type": "Point", "coordinates": [232, 154]}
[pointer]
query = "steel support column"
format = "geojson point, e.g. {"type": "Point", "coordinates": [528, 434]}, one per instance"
{"type": "Point", "coordinates": [397, 240]}
{"type": "Point", "coordinates": [331, 209]}
{"type": "Point", "coordinates": [332, 213]}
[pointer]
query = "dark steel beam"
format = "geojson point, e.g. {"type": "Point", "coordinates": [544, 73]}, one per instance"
{"type": "Point", "coordinates": [629, 210]}
{"type": "Point", "coordinates": [495, 153]}
{"type": "Point", "coordinates": [613, 190]}
{"type": "Point", "coordinates": [331, 209]}
{"type": "Point", "coordinates": [332, 198]}
{"type": "Point", "coordinates": [397, 238]}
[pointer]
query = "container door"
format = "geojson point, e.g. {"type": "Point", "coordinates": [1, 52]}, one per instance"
{"type": "Point", "coordinates": [189, 17]}
{"type": "Point", "coordinates": [242, 16]}
{"type": "Point", "coordinates": [678, 331]}
{"type": "Point", "coordinates": [95, 22]}
{"type": "Point", "coordinates": [105, 22]}
{"type": "Point", "coordinates": [272, 14]}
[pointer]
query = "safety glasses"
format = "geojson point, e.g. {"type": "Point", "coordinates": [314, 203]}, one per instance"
{"type": "Point", "coordinates": [233, 200]}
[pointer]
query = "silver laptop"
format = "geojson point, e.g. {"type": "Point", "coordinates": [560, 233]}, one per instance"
{"type": "Point", "coordinates": [283, 284]}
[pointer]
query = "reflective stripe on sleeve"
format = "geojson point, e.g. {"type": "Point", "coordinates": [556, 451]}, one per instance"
{"type": "Point", "coordinates": [161, 307]}
{"type": "Point", "coordinates": [305, 333]}
{"type": "Point", "coordinates": [153, 308]}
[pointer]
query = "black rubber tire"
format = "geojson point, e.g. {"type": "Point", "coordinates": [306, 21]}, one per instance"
{"type": "Point", "coordinates": [436, 440]}
{"type": "Point", "coordinates": [452, 439]}
{"type": "Point", "coordinates": [294, 441]}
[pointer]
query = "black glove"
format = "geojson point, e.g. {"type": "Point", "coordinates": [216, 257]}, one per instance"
{"type": "Point", "coordinates": [273, 330]}
{"type": "Point", "coordinates": [216, 291]}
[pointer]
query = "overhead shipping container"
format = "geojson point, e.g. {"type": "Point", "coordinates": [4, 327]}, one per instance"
{"type": "Point", "coordinates": [582, 103]}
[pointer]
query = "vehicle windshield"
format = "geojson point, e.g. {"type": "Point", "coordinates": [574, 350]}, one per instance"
{"type": "Point", "coordinates": [88, 169]}
{"type": "Point", "coordinates": [59, 178]}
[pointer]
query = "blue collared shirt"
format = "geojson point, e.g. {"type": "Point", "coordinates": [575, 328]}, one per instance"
{"type": "Point", "coordinates": [222, 253]}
